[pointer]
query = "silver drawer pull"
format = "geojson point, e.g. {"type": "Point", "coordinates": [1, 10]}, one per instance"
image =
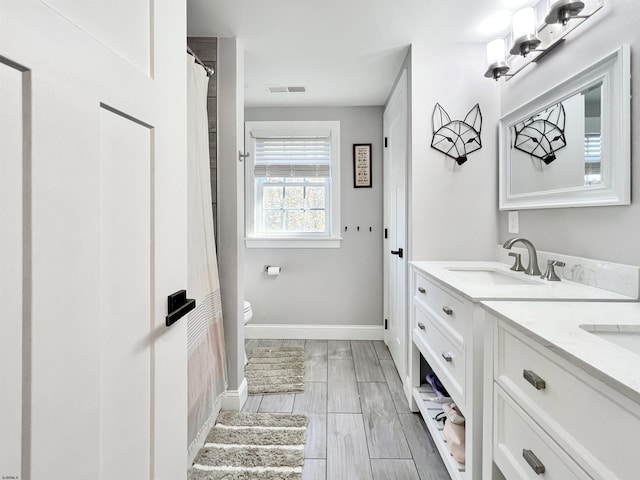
{"type": "Point", "coordinates": [422, 290]}
{"type": "Point", "coordinates": [447, 310]}
{"type": "Point", "coordinates": [447, 356]}
{"type": "Point", "coordinates": [421, 326]}
{"type": "Point", "coordinates": [531, 377]}
{"type": "Point", "coordinates": [536, 465]}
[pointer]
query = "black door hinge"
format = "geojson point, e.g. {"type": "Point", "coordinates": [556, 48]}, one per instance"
{"type": "Point", "coordinates": [385, 142]}
{"type": "Point", "coordinates": [385, 323]}
{"type": "Point", "coordinates": [386, 233]}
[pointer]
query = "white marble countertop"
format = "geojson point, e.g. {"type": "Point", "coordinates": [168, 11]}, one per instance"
{"type": "Point", "coordinates": [556, 325]}
{"type": "Point", "coordinates": [536, 289]}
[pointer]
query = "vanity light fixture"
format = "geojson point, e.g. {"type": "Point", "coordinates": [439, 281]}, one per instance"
{"type": "Point", "coordinates": [508, 56]}
{"type": "Point", "coordinates": [561, 11]}
{"type": "Point", "coordinates": [523, 31]}
{"type": "Point", "coordinates": [496, 59]}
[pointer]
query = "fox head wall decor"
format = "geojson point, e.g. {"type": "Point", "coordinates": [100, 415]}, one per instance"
{"type": "Point", "coordinates": [457, 138]}
{"type": "Point", "coordinates": [543, 134]}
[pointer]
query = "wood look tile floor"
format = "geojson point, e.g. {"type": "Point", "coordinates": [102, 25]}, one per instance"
{"type": "Point", "coordinates": [360, 425]}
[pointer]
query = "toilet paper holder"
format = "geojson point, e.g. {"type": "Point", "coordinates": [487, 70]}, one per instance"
{"type": "Point", "coordinates": [272, 268]}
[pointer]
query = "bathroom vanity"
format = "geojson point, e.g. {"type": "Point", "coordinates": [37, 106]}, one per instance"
{"type": "Point", "coordinates": [562, 390]}
{"type": "Point", "coordinates": [448, 332]}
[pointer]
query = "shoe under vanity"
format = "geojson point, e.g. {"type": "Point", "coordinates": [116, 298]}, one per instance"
{"type": "Point", "coordinates": [452, 334]}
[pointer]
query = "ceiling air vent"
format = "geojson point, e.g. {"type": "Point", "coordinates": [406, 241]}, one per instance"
{"type": "Point", "coordinates": [285, 89]}
{"type": "Point", "coordinates": [277, 89]}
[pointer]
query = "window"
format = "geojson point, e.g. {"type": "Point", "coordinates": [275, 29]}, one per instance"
{"type": "Point", "coordinates": [592, 159]}
{"type": "Point", "coordinates": [292, 181]}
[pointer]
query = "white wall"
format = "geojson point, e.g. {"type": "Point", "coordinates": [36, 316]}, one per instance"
{"type": "Point", "coordinates": [231, 213]}
{"type": "Point", "coordinates": [454, 208]}
{"type": "Point", "coordinates": [327, 286]}
{"type": "Point", "coordinates": [606, 233]}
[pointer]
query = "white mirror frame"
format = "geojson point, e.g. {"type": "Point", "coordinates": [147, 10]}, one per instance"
{"type": "Point", "coordinates": [615, 189]}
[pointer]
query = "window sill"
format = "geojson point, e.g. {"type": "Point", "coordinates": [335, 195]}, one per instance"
{"type": "Point", "coordinates": [330, 242]}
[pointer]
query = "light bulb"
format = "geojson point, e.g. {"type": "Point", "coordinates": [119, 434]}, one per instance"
{"type": "Point", "coordinates": [523, 23]}
{"type": "Point", "coordinates": [496, 53]}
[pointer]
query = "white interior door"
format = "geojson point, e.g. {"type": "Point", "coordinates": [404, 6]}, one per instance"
{"type": "Point", "coordinates": [395, 221]}
{"type": "Point", "coordinates": [93, 215]}
{"type": "Point", "coordinates": [11, 268]}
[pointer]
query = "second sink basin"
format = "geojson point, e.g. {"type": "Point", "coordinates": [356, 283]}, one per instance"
{"type": "Point", "coordinates": [625, 336]}
{"type": "Point", "coordinates": [492, 276]}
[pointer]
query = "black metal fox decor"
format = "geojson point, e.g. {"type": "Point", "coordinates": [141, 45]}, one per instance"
{"type": "Point", "coordinates": [543, 134]}
{"type": "Point", "coordinates": [457, 138]}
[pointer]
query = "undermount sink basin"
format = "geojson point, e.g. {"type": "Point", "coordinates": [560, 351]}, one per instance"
{"type": "Point", "coordinates": [625, 336]}
{"type": "Point", "coordinates": [492, 276]}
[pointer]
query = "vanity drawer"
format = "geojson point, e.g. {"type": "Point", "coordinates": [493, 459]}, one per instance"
{"type": "Point", "coordinates": [585, 416]}
{"type": "Point", "coordinates": [444, 356]}
{"type": "Point", "coordinates": [453, 311]}
{"type": "Point", "coordinates": [522, 450]}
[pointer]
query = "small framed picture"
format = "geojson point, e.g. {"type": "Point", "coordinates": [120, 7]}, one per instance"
{"type": "Point", "coordinates": [362, 165]}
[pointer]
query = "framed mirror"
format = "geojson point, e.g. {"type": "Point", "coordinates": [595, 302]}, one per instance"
{"type": "Point", "coordinates": [571, 146]}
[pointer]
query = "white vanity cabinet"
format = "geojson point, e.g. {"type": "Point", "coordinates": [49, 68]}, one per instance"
{"type": "Point", "coordinates": [446, 331]}
{"type": "Point", "coordinates": [551, 408]}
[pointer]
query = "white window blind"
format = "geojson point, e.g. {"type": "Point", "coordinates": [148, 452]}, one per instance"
{"type": "Point", "coordinates": [296, 157]}
{"type": "Point", "coordinates": [592, 148]}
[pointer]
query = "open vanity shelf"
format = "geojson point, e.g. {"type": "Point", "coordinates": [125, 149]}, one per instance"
{"type": "Point", "coordinates": [429, 411]}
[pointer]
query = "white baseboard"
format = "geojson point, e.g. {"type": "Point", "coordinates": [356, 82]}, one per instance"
{"type": "Point", "coordinates": [314, 332]}
{"type": "Point", "coordinates": [235, 399]}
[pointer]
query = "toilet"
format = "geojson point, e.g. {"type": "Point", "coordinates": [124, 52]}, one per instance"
{"type": "Point", "coordinates": [248, 312]}
{"type": "Point", "coordinates": [248, 315]}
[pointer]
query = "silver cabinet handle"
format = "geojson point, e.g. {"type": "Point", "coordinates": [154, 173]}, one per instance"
{"type": "Point", "coordinates": [421, 326]}
{"type": "Point", "coordinates": [536, 465]}
{"type": "Point", "coordinates": [447, 356]}
{"type": "Point", "coordinates": [422, 290]}
{"type": "Point", "coordinates": [447, 310]}
{"type": "Point", "coordinates": [535, 380]}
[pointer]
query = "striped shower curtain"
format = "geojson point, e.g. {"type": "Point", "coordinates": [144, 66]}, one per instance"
{"type": "Point", "coordinates": [205, 335]}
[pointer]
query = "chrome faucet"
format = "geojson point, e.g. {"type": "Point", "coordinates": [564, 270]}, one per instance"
{"type": "Point", "coordinates": [532, 268]}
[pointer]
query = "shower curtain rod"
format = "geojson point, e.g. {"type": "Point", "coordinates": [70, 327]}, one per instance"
{"type": "Point", "coordinates": [210, 71]}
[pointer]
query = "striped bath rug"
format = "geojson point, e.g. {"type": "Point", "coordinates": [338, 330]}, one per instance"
{"type": "Point", "coordinates": [252, 446]}
{"type": "Point", "coordinates": [275, 370]}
